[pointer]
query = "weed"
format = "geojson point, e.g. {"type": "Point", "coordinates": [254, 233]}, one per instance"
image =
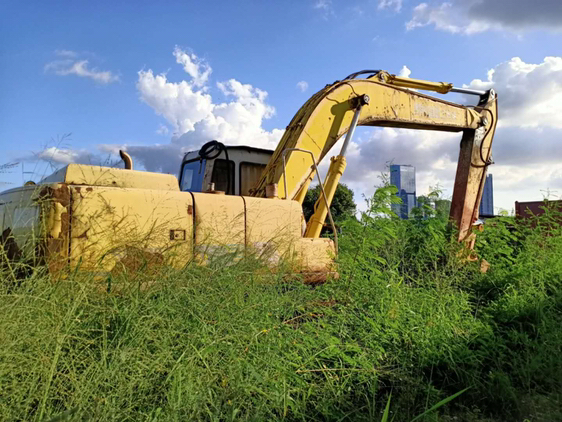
{"type": "Point", "coordinates": [407, 317]}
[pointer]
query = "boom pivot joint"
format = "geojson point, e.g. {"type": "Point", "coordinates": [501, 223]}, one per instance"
{"type": "Point", "coordinates": [360, 101]}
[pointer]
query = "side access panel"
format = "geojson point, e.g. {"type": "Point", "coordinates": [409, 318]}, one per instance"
{"type": "Point", "coordinates": [219, 227]}
{"type": "Point", "coordinates": [120, 229]}
{"type": "Point", "coordinates": [273, 228]}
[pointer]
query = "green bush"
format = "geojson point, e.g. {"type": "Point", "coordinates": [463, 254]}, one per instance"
{"type": "Point", "coordinates": [407, 319]}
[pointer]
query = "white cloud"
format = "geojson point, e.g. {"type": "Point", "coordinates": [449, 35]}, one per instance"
{"type": "Point", "coordinates": [395, 5]}
{"type": "Point", "coordinates": [302, 85]}
{"type": "Point", "coordinates": [527, 147]}
{"type": "Point", "coordinates": [325, 6]}
{"type": "Point", "coordinates": [519, 14]}
{"type": "Point", "coordinates": [427, 151]}
{"type": "Point", "coordinates": [55, 155]}
{"type": "Point", "coordinates": [446, 17]}
{"type": "Point", "coordinates": [192, 115]}
{"type": "Point", "coordinates": [181, 104]}
{"type": "Point", "coordinates": [530, 95]}
{"type": "Point", "coordinates": [405, 72]}
{"type": "Point", "coordinates": [197, 68]}
{"type": "Point", "coordinates": [163, 130]}
{"type": "Point", "coordinates": [197, 118]}
{"type": "Point", "coordinates": [60, 154]}
{"type": "Point", "coordinates": [474, 16]}
{"type": "Point", "coordinates": [70, 64]}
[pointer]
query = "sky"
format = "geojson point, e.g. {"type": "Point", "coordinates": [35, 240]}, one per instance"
{"type": "Point", "coordinates": [79, 80]}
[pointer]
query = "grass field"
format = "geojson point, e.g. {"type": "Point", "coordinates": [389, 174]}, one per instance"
{"type": "Point", "coordinates": [408, 324]}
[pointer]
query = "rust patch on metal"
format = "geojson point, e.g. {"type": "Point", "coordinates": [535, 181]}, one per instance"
{"type": "Point", "coordinates": [81, 191]}
{"type": "Point", "coordinates": [60, 194]}
{"type": "Point", "coordinates": [136, 260]}
{"type": "Point", "coordinates": [57, 249]}
{"type": "Point", "coordinates": [54, 251]}
{"type": "Point", "coordinates": [78, 190]}
{"type": "Point", "coordinates": [83, 235]}
{"type": "Point", "coordinates": [190, 209]}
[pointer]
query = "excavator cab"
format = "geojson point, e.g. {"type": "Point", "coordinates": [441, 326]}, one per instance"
{"type": "Point", "coordinates": [233, 170]}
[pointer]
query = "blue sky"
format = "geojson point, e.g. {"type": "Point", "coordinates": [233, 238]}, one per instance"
{"type": "Point", "coordinates": [73, 67]}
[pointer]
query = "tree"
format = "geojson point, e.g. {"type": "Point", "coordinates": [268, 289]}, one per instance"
{"type": "Point", "coordinates": [443, 208]}
{"type": "Point", "coordinates": [343, 206]}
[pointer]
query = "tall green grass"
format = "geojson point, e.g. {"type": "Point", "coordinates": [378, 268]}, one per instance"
{"type": "Point", "coordinates": [407, 326]}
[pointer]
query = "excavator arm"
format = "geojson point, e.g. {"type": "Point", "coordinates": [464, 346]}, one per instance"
{"type": "Point", "coordinates": [387, 100]}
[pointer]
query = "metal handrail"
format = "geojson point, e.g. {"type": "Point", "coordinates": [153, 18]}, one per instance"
{"type": "Point", "coordinates": [321, 188]}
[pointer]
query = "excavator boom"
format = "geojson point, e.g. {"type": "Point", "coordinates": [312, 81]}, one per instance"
{"type": "Point", "coordinates": [329, 114]}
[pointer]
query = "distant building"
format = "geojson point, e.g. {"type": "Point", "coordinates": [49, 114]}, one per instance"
{"type": "Point", "coordinates": [534, 208]}
{"type": "Point", "coordinates": [404, 178]}
{"type": "Point", "coordinates": [487, 204]}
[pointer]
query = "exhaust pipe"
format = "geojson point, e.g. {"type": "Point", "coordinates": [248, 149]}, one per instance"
{"type": "Point", "coordinates": [126, 159]}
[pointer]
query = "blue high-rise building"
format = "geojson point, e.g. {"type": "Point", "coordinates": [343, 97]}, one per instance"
{"type": "Point", "coordinates": [487, 204]}
{"type": "Point", "coordinates": [404, 178]}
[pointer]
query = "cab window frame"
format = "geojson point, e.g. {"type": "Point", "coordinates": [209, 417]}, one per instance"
{"type": "Point", "coordinates": [231, 165]}
{"type": "Point", "coordinates": [200, 176]}
{"type": "Point", "coordinates": [240, 172]}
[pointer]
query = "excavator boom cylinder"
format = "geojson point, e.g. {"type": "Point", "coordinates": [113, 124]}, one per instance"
{"type": "Point", "coordinates": [316, 222]}
{"type": "Point", "coordinates": [440, 87]}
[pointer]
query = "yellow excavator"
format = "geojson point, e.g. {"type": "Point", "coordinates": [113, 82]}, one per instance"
{"type": "Point", "coordinates": [230, 202]}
